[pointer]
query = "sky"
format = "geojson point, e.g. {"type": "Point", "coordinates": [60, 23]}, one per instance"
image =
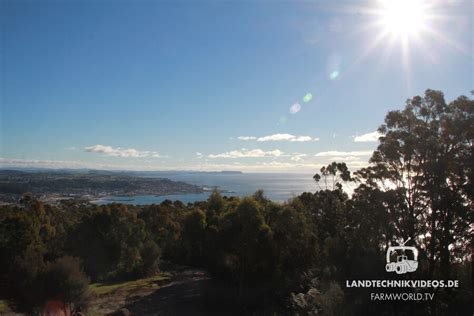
{"type": "Point", "coordinates": [256, 86]}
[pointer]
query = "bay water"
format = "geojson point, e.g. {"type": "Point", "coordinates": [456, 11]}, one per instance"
{"type": "Point", "coordinates": [278, 187]}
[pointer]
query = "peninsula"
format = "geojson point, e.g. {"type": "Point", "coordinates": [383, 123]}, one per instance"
{"type": "Point", "coordinates": [53, 185]}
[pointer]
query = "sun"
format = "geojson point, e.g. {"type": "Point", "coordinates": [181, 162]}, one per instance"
{"type": "Point", "coordinates": [402, 32]}
{"type": "Point", "coordinates": [403, 18]}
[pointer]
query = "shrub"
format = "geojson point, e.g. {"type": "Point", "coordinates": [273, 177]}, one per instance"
{"type": "Point", "coordinates": [64, 279]}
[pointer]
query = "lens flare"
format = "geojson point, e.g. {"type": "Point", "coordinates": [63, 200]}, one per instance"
{"type": "Point", "coordinates": [334, 65]}
{"type": "Point", "coordinates": [308, 97]}
{"type": "Point", "coordinates": [295, 108]}
{"type": "Point", "coordinates": [334, 75]}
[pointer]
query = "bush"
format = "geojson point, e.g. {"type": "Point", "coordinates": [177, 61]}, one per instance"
{"type": "Point", "coordinates": [64, 280]}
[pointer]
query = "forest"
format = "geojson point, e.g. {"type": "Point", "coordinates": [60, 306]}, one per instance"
{"type": "Point", "coordinates": [289, 258]}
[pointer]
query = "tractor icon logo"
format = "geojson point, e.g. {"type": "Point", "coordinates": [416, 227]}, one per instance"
{"type": "Point", "coordinates": [402, 264]}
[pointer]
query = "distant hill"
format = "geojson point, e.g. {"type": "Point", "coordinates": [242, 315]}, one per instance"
{"type": "Point", "coordinates": [92, 183]}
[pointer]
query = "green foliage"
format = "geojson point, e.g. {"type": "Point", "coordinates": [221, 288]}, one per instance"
{"type": "Point", "coordinates": [193, 236]}
{"type": "Point", "coordinates": [163, 227]}
{"type": "Point", "coordinates": [295, 242]}
{"type": "Point", "coordinates": [114, 244]}
{"type": "Point", "coordinates": [63, 279]}
{"type": "Point", "coordinates": [246, 244]}
{"type": "Point", "coordinates": [215, 202]}
{"type": "Point", "coordinates": [22, 257]}
{"type": "Point", "coordinates": [33, 283]}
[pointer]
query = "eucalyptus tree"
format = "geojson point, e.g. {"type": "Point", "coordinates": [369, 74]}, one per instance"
{"type": "Point", "coordinates": [422, 173]}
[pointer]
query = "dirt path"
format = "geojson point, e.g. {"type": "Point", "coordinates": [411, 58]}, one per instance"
{"type": "Point", "coordinates": [183, 296]}
{"type": "Point", "coordinates": [190, 292]}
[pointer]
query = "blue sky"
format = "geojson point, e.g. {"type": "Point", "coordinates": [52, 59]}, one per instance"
{"type": "Point", "coordinates": [215, 85]}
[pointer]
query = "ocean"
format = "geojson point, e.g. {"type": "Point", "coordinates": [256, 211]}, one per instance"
{"type": "Point", "coordinates": [278, 187]}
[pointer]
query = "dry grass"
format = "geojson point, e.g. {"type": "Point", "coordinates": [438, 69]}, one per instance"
{"type": "Point", "coordinates": [147, 283]}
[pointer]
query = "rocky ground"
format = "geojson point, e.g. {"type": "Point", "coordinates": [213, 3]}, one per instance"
{"type": "Point", "coordinates": [187, 292]}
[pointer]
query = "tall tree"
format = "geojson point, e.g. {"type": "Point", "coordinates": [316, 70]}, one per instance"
{"type": "Point", "coordinates": [423, 166]}
{"type": "Point", "coordinates": [246, 245]}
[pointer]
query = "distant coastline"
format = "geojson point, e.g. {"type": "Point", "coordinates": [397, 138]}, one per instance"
{"type": "Point", "coordinates": [53, 186]}
{"type": "Point", "coordinates": [145, 187]}
{"type": "Point", "coordinates": [111, 171]}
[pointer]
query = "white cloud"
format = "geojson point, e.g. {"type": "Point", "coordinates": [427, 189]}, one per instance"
{"type": "Point", "coordinates": [264, 166]}
{"type": "Point", "coordinates": [298, 157]}
{"type": "Point", "coordinates": [295, 108]}
{"type": "Point", "coordinates": [345, 158]}
{"type": "Point", "coordinates": [336, 153]}
{"type": "Point", "coordinates": [353, 159]}
{"type": "Point", "coordinates": [286, 137]}
{"type": "Point", "coordinates": [246, 138]}
{"type": "Point", "coordinates": [71, 164]}
{"type": "Point", "coordinates": [369, 137]}
{"type": "Point", "coordinates": [121, 152]}
{"type": "Point", "coordinates": [199, 155]}
{"type": "Point", "coordinates": [261, 166]}
{"type": "Point", "coordinates": [280, 137]}
{"type": "Point", "coordinates": [244, 153]}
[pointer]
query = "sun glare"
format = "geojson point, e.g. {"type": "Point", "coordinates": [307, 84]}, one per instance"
{"type": "Point", "coordinates": [401, 29]}
{"type": "Point", "coordinates": [403, 18]}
